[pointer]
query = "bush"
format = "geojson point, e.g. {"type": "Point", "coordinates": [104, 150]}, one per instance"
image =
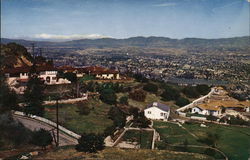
{"type": "Point", "coordinates": [170, 93]}
{"type": "Point", "coordinates": [124, 100]}
{"type": "Point", "coordinates": [191, 92]}
{"type": "Point", "coordinates": [108, 96]}
{"type": "Point", "coordinates": [41, 138]}
{"type": "Point", "coordinates": [138, 95]}
{"type": "Point", "coordinates": [150, 87]}
{"type": "Point", "coordinates": [203, 89]}
{"type": "Point", "coordinates": [181, 101]}
{"type": "Point", "coordinates": [118, 117]}
{"type": "Point", "coordinates": [90, 143]}
{"type": "Point", "coordinates": [83, 108]}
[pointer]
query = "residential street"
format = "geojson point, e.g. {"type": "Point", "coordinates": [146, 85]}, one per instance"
{"type": "Point", "coordinates": [33, 124]}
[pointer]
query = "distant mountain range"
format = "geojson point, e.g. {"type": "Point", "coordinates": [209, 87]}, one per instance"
{"type": "Point", "coordinates": [144, 42]}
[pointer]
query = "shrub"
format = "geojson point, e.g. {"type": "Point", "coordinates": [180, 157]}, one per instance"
{"type": "Point", "coordinates": [124, 100]}
{"type": "Point", "coordinates": [108, 96]}
{"type": "Point", "coordinates": [150, 87]}
{"type": "Point", "coordinates": [202, 89]}
{"type": "Point", "coordinates": [138, 95]}
{"type": "Point", "coordinates": [170, 93]}
{"type": "Point", "coordinates": [90, 143]}
{"type": "Point", "coordinates": [181, 101]}
{"type": "Point", "coordinates": [83, 108]}
{"type": "Point", "coordinates": [41, 138]}
{"type": "Point", "coordinates": [118, 117]}
{"type": "Point", "coordinates": [190, 92]}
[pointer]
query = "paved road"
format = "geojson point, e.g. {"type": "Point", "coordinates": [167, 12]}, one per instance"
{"type": "Point", "coordinates": [33, 124]}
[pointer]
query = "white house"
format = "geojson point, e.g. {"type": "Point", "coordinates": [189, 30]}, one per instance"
{"type": "Point", "coordinates": [214, 111]}
{"type": "Point", "coordinates": [157, 111]}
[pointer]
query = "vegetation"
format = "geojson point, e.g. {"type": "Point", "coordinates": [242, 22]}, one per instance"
{"type": "Point", "coordinates": [90, 143]}
{"type": "Point", "coordinates": [108, 96]}
{"type": "Point", "coordinates": [83, 108]}
{"type": "Point", "coordinates": [203, 89]}
{"type": "Point", "coordinates": [138, 95]}
{"type": "Point", "coordinates": [181, 101]}
{"type": "Point", "coordinates": [143, 138]}
{"type": "Point", "coordinates": [170, 93]}
{"type": "Point", "coordinates": [124, 100]}
{"type": "Point", "coordinates": [150, 87]}
{"type": "Point", "coordinates": [118, 117]}
{"type": "Point", "coordinates": [191, 92]}
{"type": "Point", "coordinates": [34, 96]}
{"type": "Point", "coordinates": [95, 122]}
{"type": "Point", "coordinates": [41, 138]}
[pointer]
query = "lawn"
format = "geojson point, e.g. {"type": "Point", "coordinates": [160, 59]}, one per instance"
{"type": "Point", "coordinates": [121, 154]}
{"type": "Point", "coordinates": [143, 137]}
{"type": "Point", "coordinates": [95, 122]}
{"type": "Point", "coordinates": [233, 141]}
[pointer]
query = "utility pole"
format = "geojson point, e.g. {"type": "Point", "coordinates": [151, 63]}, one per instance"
{"type": "Point", "coordinates": [57, 125]}
{"type": "Point", "coordinates": [40, 52]}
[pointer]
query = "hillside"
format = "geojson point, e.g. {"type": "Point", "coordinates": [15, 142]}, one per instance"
{"type": "Point", "coordinates": [144, 42]}
{"type": "Point", "coordinates": [15, 55]}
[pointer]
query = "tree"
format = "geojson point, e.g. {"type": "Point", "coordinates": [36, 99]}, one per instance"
{"type": "Point", "coordinates": [202, 89]}
{"type": "Point", "coordinates": [134, 111]}
{"type": "Point", "coordinates": [141, 121]}
{"type": "Point", "coordinates": [181, 101]}
{"type": "Point", "coordinates": [190, 92]}
{"type": "Point", "coordinates": [150, 87]}
{"type": "Point", "coordinates": [211, 139]}
{"type": "Point", "coordinates": [70, 76]}
{"type": "Point", "coordinates": [108, 96]}
{"type": "Point", "coordinates": [123, 100]}
{"type": "Point", "coordinates": [138, 95]}
{"type": "Point", "coordinates": [8, 98]}
{"type": "Point", "coordinates": [90, 143]}
{"type": "Point", "coordinates": [170, 93]}
{"type": "Point", "coordinates": [41, 138]}
{"type": "Point", "coordinates": [118, 117]}
{"type": "Point", "coordinates": [34, 96]}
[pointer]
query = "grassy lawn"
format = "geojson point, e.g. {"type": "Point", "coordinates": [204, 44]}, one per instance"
{"type": "Point", "coordinates": [174, 134]}
{"type": "Point", "coordinates": [233, 141]}
{"type": "Point", "coordinates": [121, 154]}
{"type": "Point", "coordinates": [145, 137]}
{"type": "Point", "coordinates": [69, 117]}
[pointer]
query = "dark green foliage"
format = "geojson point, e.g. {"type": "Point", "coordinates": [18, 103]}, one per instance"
{"type": "Point", "coordinates": [83, 108]}
{"type": "Point", "coordinates": [210, 152]}
{"type": "Point", "coordinates": [134, 111]}
{"type": "Point", "coordinates": [41, 138]}
{"type": "Point", "coordinates": [141, 121]}
{"type": "Point", "coordinates": [108, 96]}
{"type": "Point", "coordinates": [8, 98]}
{"type": "Point", "coordinates": [12, 132]}
{"type": "Point", "coordinates": [150, 87]}
{"type": "Point", "coordinates": [239, 97]}
{"type": "Point", "coordinates": [109, 131]}
{"type": "Point", "coordinates": [90, 143]}
{"type": "Point", "coordinates": [203, 89]}
{"type": "Point", "coordinates": [140, 78]}
{"type": "Point", "coordinates": [70, 76]}
{"type": "Point", "coordinates": [34, 96]}
{"type": "Point", "coordinates": [237, 121]}
{"type": "Point", "coordinates": [181, 101]}
{"type": "Point", "coordinates": [138, 95]}
{"type": "Point", "coordinates": [118, 117]}
{"type": "Point", "coordinates": [123, 100]}
{"type": "Point", "coordinates": [170, 93]}
{"type": "Point", "coordinates": [191, 92]}
{"type": "Point", "coordinates": [211, 118]}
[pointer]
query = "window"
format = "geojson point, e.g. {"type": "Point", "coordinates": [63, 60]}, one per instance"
{"type": "Point", "coordinates": [149, 112]}
{"type": "Point", "coordinates": [161, 114]}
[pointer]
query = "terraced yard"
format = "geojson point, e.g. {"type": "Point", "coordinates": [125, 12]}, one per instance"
{"type": "Point", "coordinates": [233, 141]}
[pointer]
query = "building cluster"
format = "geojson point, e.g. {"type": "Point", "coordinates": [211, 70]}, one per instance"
{"type": "Point", "coordinates": [18, 77]}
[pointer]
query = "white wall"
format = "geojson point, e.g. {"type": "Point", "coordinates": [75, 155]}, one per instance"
{"type": "Point", "coordinates": [155, 113]}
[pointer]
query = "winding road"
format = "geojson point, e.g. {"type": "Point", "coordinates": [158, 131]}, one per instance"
{"type": "Point", "coordinates": [33, 124]}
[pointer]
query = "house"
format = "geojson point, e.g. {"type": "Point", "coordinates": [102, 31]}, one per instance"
{"type": "Point", "coordinates": [157, 111]}
{"type": "Point", "coordinates": [101, 73]}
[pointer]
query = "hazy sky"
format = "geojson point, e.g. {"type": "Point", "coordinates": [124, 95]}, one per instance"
{"type": "Point", "coordinates": [73, 19]}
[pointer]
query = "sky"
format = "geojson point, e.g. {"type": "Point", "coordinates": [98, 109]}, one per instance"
{"type": "Point", "coordinates": [78, 19]}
